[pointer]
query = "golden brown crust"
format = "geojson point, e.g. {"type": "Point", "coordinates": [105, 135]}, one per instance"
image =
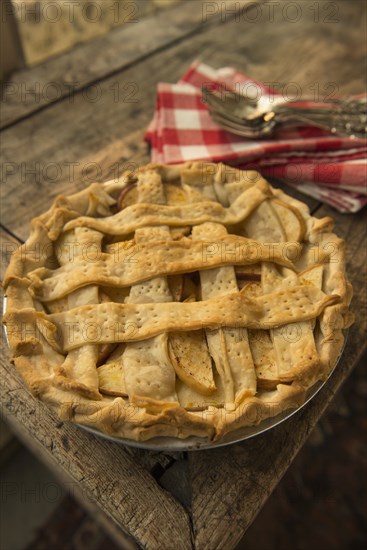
{"type": "Point", "coordinates": [65, 258]}
{"type": "Point", "coordinates": [133, 263]}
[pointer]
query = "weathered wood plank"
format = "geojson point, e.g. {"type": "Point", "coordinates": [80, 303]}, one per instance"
{"type": "Point", "coordinates": [230, 485]}
{"type": "Point", "coordinates": [29, 90]}
{"type": "Point", "coordinates": [97, 471]}
{"type": "Point", "coordinates": [67, 146]}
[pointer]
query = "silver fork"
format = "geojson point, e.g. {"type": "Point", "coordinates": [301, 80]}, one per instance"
{"type": "Point", "coordinates": [259, 119]}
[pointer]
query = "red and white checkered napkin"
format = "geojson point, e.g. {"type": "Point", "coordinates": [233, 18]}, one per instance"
{"type": "Point", "coordinates": [331, 169]}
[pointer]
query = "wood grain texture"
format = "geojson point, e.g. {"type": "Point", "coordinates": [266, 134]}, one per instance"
{"type": "Point", "coordinates": [29, 90]}
{"type": "Point", "coordinates": [230, 485]}
{"type": "Point", "coordinates": [66, 147]}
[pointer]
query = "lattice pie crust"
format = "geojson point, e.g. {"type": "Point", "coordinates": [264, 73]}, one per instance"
{"type": "Point", "coordinates": [177, 301]}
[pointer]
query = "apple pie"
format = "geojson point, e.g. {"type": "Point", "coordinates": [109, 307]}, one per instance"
{"type": "Point", "coordinates": [185, 300]}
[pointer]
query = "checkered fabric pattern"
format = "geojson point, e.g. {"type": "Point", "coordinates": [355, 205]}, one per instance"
{"type": "Point", "coordinates": [330, 168]}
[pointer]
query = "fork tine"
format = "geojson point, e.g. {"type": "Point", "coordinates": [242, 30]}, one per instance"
{"type": "Point", "coordinates": [226, 115]}
{"type": "Point", "coordinates": [241, 129]}
{"type": "Point", "coordinates": [229, 101]}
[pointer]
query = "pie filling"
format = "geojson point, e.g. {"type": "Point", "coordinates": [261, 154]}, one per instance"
{"type": "Point", "coordinates": [182, 300]}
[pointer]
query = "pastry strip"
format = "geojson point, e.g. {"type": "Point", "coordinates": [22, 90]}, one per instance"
{"type": "Point", "coordinates": [80, 363]}
{"type": "Point", "coordinates": [142, 215]}
{"type": "Point", "coordinates": [148, 371]}
{"type": "Point", "coordinates": [294, 343]}
{"type": "Point", "coordinates": [131, 322]}
{"type": "Point", "coordinates": [229, 347]}
{"type": "Point", "coordinates": [127, 265]}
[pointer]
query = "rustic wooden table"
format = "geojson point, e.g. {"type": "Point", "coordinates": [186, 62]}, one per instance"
{"type": "Point", "coordinates": [80, 118]}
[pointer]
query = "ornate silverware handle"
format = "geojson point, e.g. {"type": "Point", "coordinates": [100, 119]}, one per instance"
{"type": "Point", "coordinates": [337, 122]}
